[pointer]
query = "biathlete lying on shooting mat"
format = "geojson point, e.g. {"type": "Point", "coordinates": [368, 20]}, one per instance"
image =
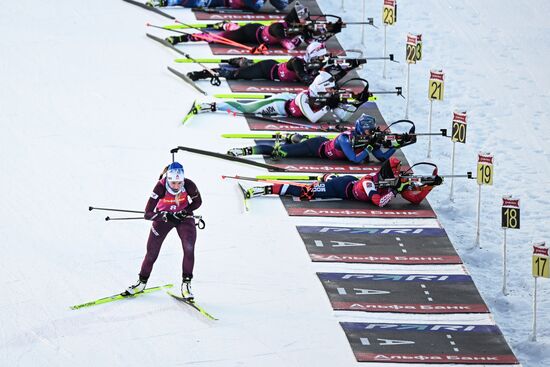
{"type": "Point", "coordinates": [312, 104]}
{"type": "Point", "coordinates": [295, 29]}
{"type": "Point", "coordinates": [377, 188]}
{"type": "Point", "coordinates": [297, 69]}
{"type": "Point", "coordinates": [253, 5]}
{"type": "Point", "coordinates": [353, 145]}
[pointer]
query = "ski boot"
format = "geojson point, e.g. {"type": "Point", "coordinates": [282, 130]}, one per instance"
{"type": "Point", "coordinates": [293, 138]}
{"type": "Point", "coordinates": [156, 3]}
{"type": "Point", "coordinates": [258, 191]}
{"type": "Point", "coordinates": [136, 288]}
{"type": "Point", "coordinates": [199, 107]}
{"type": "Point", "coordinates": [240, 62]}
{"type": "Point", "coordinates": [278, 153]}
{"type": "Point", "coordinates": [174, 40]}
{"type": "Point", "coordinates": [186, 289]}
{"type": "Point", "coordinates": [238, 152]}
{"type": "Point", "coordinates": [202, 74]}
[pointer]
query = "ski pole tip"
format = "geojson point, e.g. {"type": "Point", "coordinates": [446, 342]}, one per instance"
{"type": "Point", "coordinates": [90, 208]}
{"type": "Point", "coordinates": [107, 219]}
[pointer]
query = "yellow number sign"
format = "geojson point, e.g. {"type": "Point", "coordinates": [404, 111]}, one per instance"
{"type": "Point", "coordinates": [484, 169]}
{"type": "Point", "coordinates": [436, 87]}
{"type": "Point", "coordinates": [389, 13]}
{"type": "Point", "coordinates": [540, 261]}
{"type": "Point", "coordinates": [510, 212]}
{"type": "Point", "coordinates": [411, 49]}
{"type": "Point", "coordinates": [458, 133]}
{"type": "Point", "coordinates": [418, 47]}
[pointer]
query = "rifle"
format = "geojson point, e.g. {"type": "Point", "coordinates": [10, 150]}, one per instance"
{"type": "Point", "coordinates": [385, 138]}
{"type": "Point", "coordinates": [313, 27]}
{"type": "Point", "coordinates": [345, 96]}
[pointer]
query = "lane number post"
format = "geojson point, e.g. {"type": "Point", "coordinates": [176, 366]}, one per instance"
{"type": "Point", "coordinates": [540, 268]}
{"type": "Point", "coordinates": [458, 135]}
{"type": "Point", "coordinates": [484, 177]}
{"type": "Point", "coordinates": [389, 18]}
{"type": "Point", "coordinates": [436, 87]}
{"type": "Point", "coordinates": [509, 220]}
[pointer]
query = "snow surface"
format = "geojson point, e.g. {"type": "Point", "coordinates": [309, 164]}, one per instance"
{"type": "Point", "coordinates": [89, 114]}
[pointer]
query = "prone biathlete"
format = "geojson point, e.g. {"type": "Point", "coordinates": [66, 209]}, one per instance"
{"type": "Point", "coordinates": [294, 70]}
{"type": "Point", "coordinates": [253, 5]}
{"type": "Point", "coordinates": [354, 145]}
{"type": "Point", "coordinates": [350, 187]}
{"type": "Point", "coordinates": [303, 105]}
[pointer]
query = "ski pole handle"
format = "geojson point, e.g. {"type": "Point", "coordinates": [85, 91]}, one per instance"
{"type": "Point", "coordinates": [90, 208]}
{"type": "Point", "coordinates": [200, 223]}
{"type": "Point", "coordinates": [129, 218]}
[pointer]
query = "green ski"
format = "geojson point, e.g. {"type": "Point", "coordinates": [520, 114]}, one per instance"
{"type": "Point", "coordinates": [222, 61]}
{"type": "Point", "coordinates": [218, 26]}
{"type": "Point", "coordinates": [277, 135]}
{"type": "Point", "coordinates": [119, 296]}
{"type": "Point", "coordinates": [245, 197]}
{"type": "Point", "coordinates": [193, 304]}
{"type": "Point", "coordinates": [242, 96]}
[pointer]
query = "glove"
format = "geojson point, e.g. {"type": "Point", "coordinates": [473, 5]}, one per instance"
{"type": "Point", "coordinates": [292, 43]}
{"type": "Point", "coordinates": [182, 214]}
{"type": "Point", "coordinates": [438, 180]}
{"type": "Point", "coordinates": [327, 176]}
{"type": "Point", "coordinates": [169, 217]}
{"type": "Point", "coordinates": [403, 185]}
{"type": "Point", "coordinates": [333, 101]}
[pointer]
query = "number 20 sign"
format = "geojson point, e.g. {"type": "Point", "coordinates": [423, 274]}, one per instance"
{"type": "Point", "coordinates": [459, 127]}
{"type": "Point", "coordinates": [484, 169]}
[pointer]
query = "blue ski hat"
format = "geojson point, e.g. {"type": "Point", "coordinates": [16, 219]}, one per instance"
{"type": "Point", "coordinates": [175, 172]}
{"type": "Point", "coordinates": [364, 123]}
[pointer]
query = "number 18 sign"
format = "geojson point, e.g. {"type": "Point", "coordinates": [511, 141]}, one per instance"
{"type": "Point", "coordinates": [510, 212]}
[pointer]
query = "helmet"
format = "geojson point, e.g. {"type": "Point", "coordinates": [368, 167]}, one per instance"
{"type": "Point", "coordinates": [315, 50]}
{"type": "Point", "coordinates": [390, 168]}
{"type": "Point", "coordinates": [395, 165]}
{"type": "Point", "coordinates": [174, 172]}
{"type": "Point", "coordinates": [321, 84]}
{"type": "Point", "coordinates": [364, 123]}
{"type": "Point", "coordinates": [277, 30]}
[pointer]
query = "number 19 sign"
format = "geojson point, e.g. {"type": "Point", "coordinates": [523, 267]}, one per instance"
{"type": "Point", "coordinates": [484, 169]}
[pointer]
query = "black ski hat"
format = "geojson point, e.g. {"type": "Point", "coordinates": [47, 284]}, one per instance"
{"type": "Point", "coordinates": [277, 30]}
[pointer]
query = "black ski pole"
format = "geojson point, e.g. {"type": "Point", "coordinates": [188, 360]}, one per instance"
{"type": "Point", "coordinates": [128, 218]}
{"type": "Point", "coordinates": [90, 208]}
